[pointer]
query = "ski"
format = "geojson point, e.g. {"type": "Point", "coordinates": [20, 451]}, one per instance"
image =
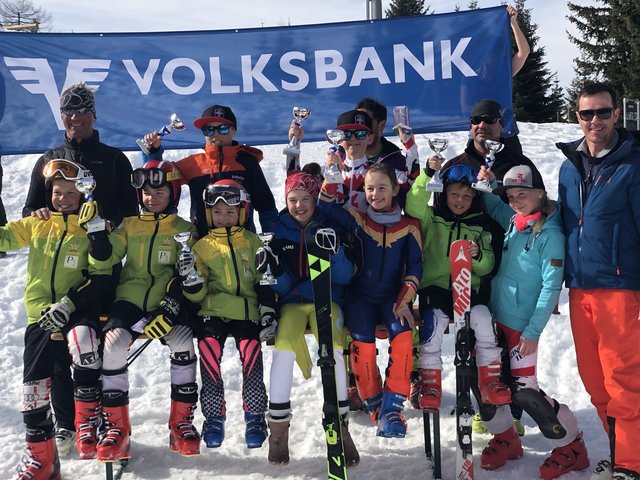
{"type": "Point", "coordinates": [461, 287]}
{"type": "Point", "coordinates": [115, 470]}
{"type": "Point", "coordinates": [320, 246]}
{"type": "Point", "coordinates": [432, 449]}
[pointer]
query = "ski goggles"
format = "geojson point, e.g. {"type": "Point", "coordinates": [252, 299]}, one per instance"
{"type": "Point", "coordinates": [461, 173]}
{"type": "Point", "coordinates": [154, 177]}
{"type": "Point", "coordinates": [209, 130]}
{"type": "Point", "coordinates": [359, 134]}
{"type": "Point", "coordinates": [488, 119]}
{"type": "Point", "coordinates": [64, 169]}
{"type": "Point", "coordinates": [601, 113]}
{"type": "Point", "coordinates": [232, 196]}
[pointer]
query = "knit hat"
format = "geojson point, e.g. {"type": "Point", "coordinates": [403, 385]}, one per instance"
{"type": "Point", "coordinates": [520, 176]}
{"type": "Point", "coordinates": [302, 181]}
{"type": "Point", "coordinates": [217, 113]}
{"type": "Point", "coordinates": [78, 96]}
{"type": "Point", "coordinates": [354, 120]}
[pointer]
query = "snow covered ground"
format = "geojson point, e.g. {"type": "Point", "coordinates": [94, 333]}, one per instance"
{"type": "Point", "coordinates": [381, 458]}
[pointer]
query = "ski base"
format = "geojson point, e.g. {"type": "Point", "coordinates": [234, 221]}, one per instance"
{"type": "Point", "coordinates": [431, 418]}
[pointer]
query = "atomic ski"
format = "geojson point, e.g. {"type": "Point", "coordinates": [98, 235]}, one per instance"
{"type": "Point", "coordinates": [320, 246]}
{"type": "Point", "coordinates": [461, 287]}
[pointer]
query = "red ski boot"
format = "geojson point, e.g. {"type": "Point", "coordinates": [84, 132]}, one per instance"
{"type": "Point", "coordinates": [86, 422]}
{"type": "Point", "coordinates": [183, 436]}
{"type": "Point", "coordinates": [431, 391]}
{"type": "Point", "coordinates": [40, 461]}
{"type": "Point", "coordinates": [115, 444]}
{"type": "Point", "coordinates": [492, 390]}
{"type": "Point", "coordinates": [414, 391]}
{"type": "Point", "coordinates": [565, 459]}
{"type": "Point", "coordinates": [502, 447]}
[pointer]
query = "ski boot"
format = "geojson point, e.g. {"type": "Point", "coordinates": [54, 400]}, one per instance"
{"type": "Point", "coordinates": [183, 437]}
{"type": "Point", "coordinates": [86, 421]}
{"type": "Point", "coordinates": [431, 389]}
{"type": "Point", "coordinates": [624, 474]}
{"type": "Point", "coordinates": [351, 455]}
{"type": "Point", "coordinates": [492, 390]}
{"type": "Point", "coordinates": [65, 440]}
{"type": "Point", "coordinates": [213, 431]}
{"type": "Point", "coordinates": [115, 445]}
{"type": "Point", "coordinates": [256, 430]}
{"type": "Point", "coordinates": [40, 461]}
{"type": "Point", "coordinates": [355, 402]}
{"type": "Point", "coordinates": [603, 471]}
{"type": "Point", "coordinates": [502, 447]}
{"type": "Point", "coordinates": [414, 392]}
{"type": "Point", "coordinates": [391, 423]}
{"type": "Point", "coordinates": [373, 407]}
{"type": "Point", "coordinates": [279, 441]}
{"type": "Point", "coordinates": [565, 459]}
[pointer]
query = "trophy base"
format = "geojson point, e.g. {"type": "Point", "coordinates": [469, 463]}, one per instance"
{"type": "Point", "coordinates": [482, 187]}
{"type": "Point", "coordinates": [435, 187]}
{"type": "Point", "coordinates": [270, 281]}
{"type": "Point", "coordinates": [143, 145]}
{"type": "Point", "coordinates": [96, 225]}
{"type": "Point", "coordinates": [291, 151]}
{"type": "Point", "coordinates": [333, 177]}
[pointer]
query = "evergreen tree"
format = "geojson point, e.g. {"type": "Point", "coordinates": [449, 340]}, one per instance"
{"type": "Point", "coordinates": [406, 8]}
{"type": "Point", "coordinates": [473, 5]}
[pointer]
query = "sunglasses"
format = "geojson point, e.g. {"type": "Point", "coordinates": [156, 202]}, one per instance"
{"type": "Point", "coordinates": [209, 130]}
{"type": "Point", "coordinates": [461, 173]}
{"type": "Point", "coordinates": [70, 112]}
{"type": "Point", "coordinates": [359, 134]}
{"type": "Point", "coordinates": [601, 113]}
{"type": "Point", "coordinates": [64, 169]}
{"type": "Point", "coordinates": [154, 177]}
{"type": "Point", "coordinates": [232, 196]}
{"type": "Point", "coordinates": [488, 119]}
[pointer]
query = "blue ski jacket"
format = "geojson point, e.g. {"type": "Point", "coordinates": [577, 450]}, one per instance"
{"type": "Point", "coordinates": [601, 215]}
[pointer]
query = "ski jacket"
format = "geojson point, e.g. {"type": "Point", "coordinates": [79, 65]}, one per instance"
{"type": "Point", "coordinates": [387, 256]}
{"type": "Point", "coordinates": [236, 162]}
{"type": "Point", "coordinates": [440, 228]}
{"type": "Point", "coordinates": [108, 165]}
{"type": "Point", "coordinates": [147, 243]}
{"type": "Point", "coordinates": [294, 285]}
{"type": "Point", "coordinates": [601, 216]}
{"type": "Point", "coordinates": [225, 257]}
{"type": "Point", "coordinates": [58, 264]}
{"type": "Point", "coordinates": [527, 286]}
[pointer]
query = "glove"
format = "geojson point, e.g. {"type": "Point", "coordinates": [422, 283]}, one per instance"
{"type": "Point", "coordinates": [268, 323]}
{"type": "Point", "coordinates": [186, 263]}
{"type": "Point", "coordinates": [88, 212]}
{"type": "Point", "coordinates": [57, 315]}
{"type": "Point", "coordinates": [268, 262]}
{"type": "Point", "coordinates": [405, 296]}
{"type": "Point", "coordinates": [162, 318]}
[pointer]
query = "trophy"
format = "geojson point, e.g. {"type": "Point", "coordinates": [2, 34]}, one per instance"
{"type": "Point", "coordinates": [174, 124]}
{"type": "Point", "coordinates": [86, 185]}
{"type": "Point", "coordinates": [292, 150]}
{"type": "Point", "coordinates": [401, 120]}
{"type": "Point", "coordinates": [333, 174]}
{"type": "Point", "coordinates": [267, 277]}
{"type": "Point", "coordinates": [493, 147]}
{"type": "Point", "coordinates": [183, 239]}
{"type": "Point", "coordinates": [438, 145]}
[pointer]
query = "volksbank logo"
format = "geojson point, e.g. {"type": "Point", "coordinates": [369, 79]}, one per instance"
{"type": "Point", "coordinates": [290, 71]}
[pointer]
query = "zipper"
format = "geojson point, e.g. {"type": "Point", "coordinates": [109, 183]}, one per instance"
{"type": "Point", "coordinates": [56, 256]}
{"type": "Point", "coordinates": [384, 250]}
{"type": "Point", "coordinates": [149, 256]}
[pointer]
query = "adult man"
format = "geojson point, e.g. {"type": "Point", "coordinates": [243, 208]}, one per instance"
{"type": "Point", "coordinates": [116, 198]}
{"type": "Point", "coordinates": [599, 196]}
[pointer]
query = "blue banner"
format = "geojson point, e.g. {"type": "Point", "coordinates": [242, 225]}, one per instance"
{"type": "Point", "coordinates": [437, 65]}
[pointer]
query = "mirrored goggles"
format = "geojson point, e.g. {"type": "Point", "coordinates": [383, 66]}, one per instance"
{"type": "Point", "coordinates": [154, 177]}
{"type": "Point", "coordinates": [230, 195]}
{"type": "Point", "coordinates": [64, 169]}
{"type": "Point", "coordinates": [601, 113]}
{"type": "Point", "coordinates": [209, 130]}
{"type": "Point", "coordinates": [488, 119]}
{"type": "Point", "coordinates": [461, 173]}
{"type": "Point", "coordinates": [359, 134]}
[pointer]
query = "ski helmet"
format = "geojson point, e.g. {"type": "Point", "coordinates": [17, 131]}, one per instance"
{"type": "Point", "coordinates": [156, 174]}
{"type": "Point", "coordinates": [233, 194]}
{"type": "Point", "coordinates": [61, 169]}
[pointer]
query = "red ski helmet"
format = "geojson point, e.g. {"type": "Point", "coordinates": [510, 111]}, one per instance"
{"type": "Point", "coordinates": [156, 174]}
{"type": "Point", "coordinates": [233, 194]}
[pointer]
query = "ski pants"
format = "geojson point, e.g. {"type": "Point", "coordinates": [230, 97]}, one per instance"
{"type": "Point", "coordinates": [606, 329]}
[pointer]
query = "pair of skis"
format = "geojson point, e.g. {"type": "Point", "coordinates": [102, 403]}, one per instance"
{"type": "Point", "coordinates": [461, 286]}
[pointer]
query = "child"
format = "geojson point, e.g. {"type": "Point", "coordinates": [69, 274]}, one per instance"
{"type": "Point", "coordinates": [231, 302]}
{"type": "Point", "coordinates": [523, 295]}
{"type": "Point", "coordinates": [147, 242]}
{"type": "Point", "coordinates": [60, 299]}
{"type": "Point", "coordinates": [458, 216]}
{"type": "Point", "coordinates": [389, 258]}
{"type": "Point", "coordinates": [287, 259]}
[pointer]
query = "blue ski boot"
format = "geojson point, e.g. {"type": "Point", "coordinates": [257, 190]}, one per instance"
{"type": "Point", "coordinates": [372, 405]}
{"type": "Point", "coordinates": [391, 423]}
{"type": "Point", "coordinates": [213, 431]}
{"type": "Point", "coordinates": [256, 431]}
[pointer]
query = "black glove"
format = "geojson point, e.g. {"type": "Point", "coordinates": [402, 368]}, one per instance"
{"type": "Point", "coordinates": [268, 323]}
{"type": "Point", "coordinates": [162, 318]}
{"type": "Point", "coordinates": [268, 262]}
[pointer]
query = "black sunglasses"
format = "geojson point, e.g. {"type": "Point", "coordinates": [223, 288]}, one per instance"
{"type": "Point", "coordinates": [359, 134]}
{"type": "Point", "coordinates": [601, 113]}
{"type": "Point", "coordinates": [209, 130]}
{"type": "Point", "coordinates": [488, 119]}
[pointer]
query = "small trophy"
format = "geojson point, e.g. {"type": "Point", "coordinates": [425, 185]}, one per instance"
{"type": "Point", "coordinates": [333, 174]}
{"type": "Point", "coordinates": [183, 239]}
{"type": "Point", "coordinates": [292, 150]}
{"type": "Point", "coordinates": [401, 120]}
{"type": "Point", "coordinates": [493, 147]}
{"type": "Point", "coordinates": [438, 145]}
{"type": "Point", "coordinates": [86, 185]}
{"type": "Point", "coordinates": [174, 124]}
{"type": "Point", "coordinates": [267, 277]}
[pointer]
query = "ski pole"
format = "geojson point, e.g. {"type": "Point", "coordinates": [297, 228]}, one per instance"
{"type": "Point", "coordinates": [138, 351]}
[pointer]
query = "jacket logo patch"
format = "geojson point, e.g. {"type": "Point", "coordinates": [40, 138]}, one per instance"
{"type": "Point", "coordinates": [164, 257]}
{"type": "Point", "coordinates": [71, 261]}
{"type": "Point", "coordinates": [556, 262]}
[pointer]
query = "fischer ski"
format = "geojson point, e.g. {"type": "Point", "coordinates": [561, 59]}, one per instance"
{"type": "Point", "coordinates": [461, 287]}
{"type": "Point", "coordinates": [320, 246]}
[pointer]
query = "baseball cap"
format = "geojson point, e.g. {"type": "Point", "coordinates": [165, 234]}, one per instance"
{"type": "Point", "coordinates": [218, 114]}
{"type": "Point", "coordinates": [520, 176]}
{"type": "Point", "coordinates": [354, 120]}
